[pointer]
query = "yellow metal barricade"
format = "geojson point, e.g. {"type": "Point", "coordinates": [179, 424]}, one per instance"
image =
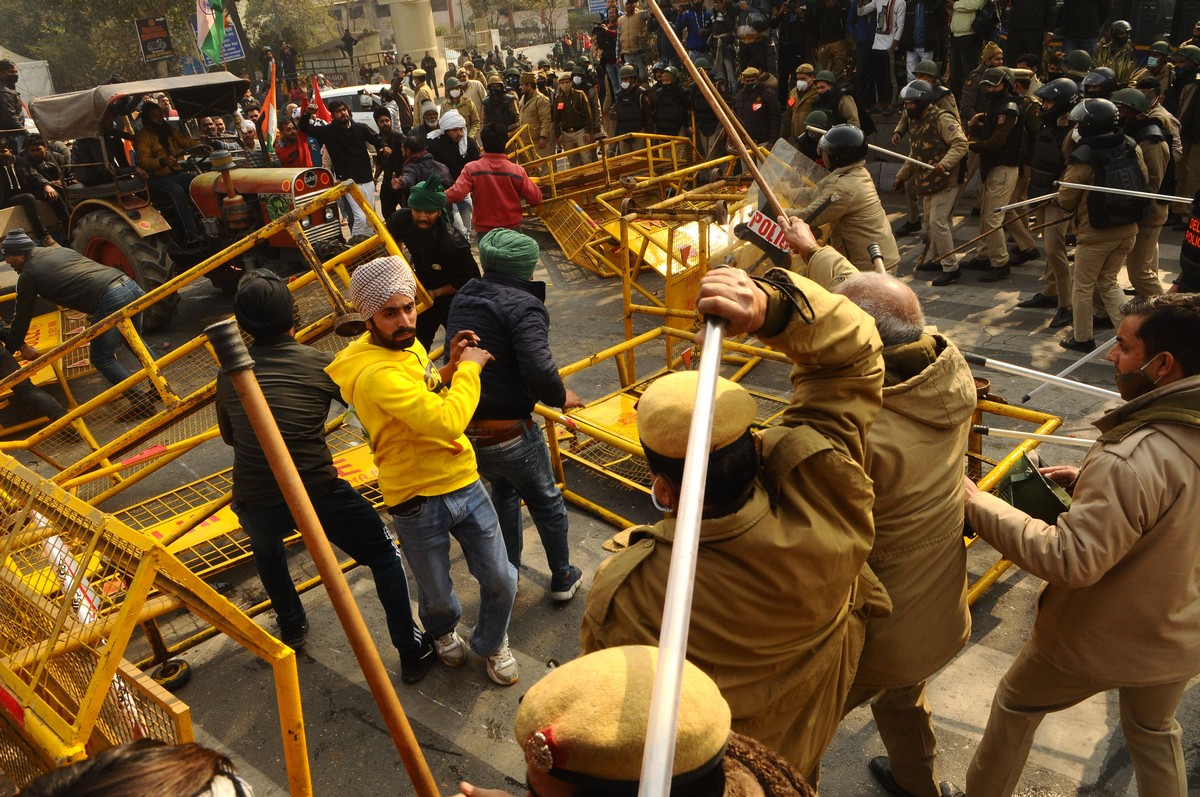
{"type": "Point", "coordinates": [74, 584]}
{"type": "Point", "coordinates": [602, 438]}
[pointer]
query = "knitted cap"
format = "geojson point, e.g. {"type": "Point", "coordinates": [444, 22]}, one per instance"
{"type": "Point", "coordinates": [509, 252]}
{"type": "Point", "coordinates": [373, 284]}
{"type": "Point", "coordinates": [585, 722]}
{"type": "Point", "coordinates": [263, 305]}
{"type": "Point", "coordinates": [665, 413]}
{"type": "Point", "coordinates": [427, 195]}
{"type": "Point", "coordinates": [17, 243]}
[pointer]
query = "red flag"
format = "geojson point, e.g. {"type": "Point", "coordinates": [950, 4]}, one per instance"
{"type": "Point", "coordinates": [322, 112]}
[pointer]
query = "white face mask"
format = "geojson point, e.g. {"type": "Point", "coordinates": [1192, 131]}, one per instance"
{"type": "Point", "coordinates": [455, 93]}
{"type": "Point", "coordinates": [577, 80]}
{"type": "Point", "coordinates": [1151, 61]}
{"type": "Point", "coordinates": [625, 84]}
{"type": "Point", "coordinates": [801, 85]}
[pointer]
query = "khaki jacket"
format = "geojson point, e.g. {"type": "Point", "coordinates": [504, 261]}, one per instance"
{"type": "Point", "coordinates": [535, 112]}
{"type": "Point", "coordinates": [470, 114]}
{"type": "Point", "coordinates": [797, 110]}
{"type": "Point", "coordinates": [858, 217]}
{"type": "Point", "coordinates": [150, 153]}
{"type": "Point", "coordinates": [1074, 201]}
{"type": "Point", "coordinates": [915, 456]}
{"type": "Point", "coordinates": [1122, 565]}
{"type": "Point", "coordinates": [778, 608]}
{"type": "Point", "coordinates": [423, 94]}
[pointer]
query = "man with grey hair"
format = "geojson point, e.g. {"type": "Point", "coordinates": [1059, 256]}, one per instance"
{"type": "Point", "coordinates": [915, 452]}
{"type": "Point", "coordinates": [415, 415]}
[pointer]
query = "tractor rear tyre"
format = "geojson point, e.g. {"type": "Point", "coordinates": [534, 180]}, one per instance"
{"type": "Point", "coordinates": [105, 237]}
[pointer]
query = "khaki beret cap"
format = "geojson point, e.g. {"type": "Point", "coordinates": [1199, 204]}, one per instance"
{"type": "Point", "coordinates": [585, 722]}
{"type": "Point", "coordinates": [528, 78]}
{"type": "Point", "coordinates": [665, 413]}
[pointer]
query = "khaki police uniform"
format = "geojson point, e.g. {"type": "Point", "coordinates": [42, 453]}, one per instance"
{"type": "Point", "coordinates": [936, 138]}
{"type": "Point", "coordinates": [1141, 265]}
{"type": "Point", "coordinates": [573, 125]}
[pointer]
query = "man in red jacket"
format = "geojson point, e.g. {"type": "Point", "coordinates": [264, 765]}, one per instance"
{"type": "Point", "coordinates": [496, 184]}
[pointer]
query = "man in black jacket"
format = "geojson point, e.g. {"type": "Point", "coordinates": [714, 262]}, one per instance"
{"type": "Point", "coordinates": [507, 310]}
{"type": "Point", "coordinates": [21, 186]}
{"type": "Point", "coordinates": [347, 142]}
{"type": "Point", "coordinates": [298, 391]}
{"type": "Point", "coordinates": [451, 145]}
{"type": "Point", "coordinates": [12, 113]}
{"type": "Point", "coordinates": [439, 254]}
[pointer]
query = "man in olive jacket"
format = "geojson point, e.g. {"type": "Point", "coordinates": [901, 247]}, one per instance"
{"type": "Point", "coordinates": [1122, 565]}
{"type": "Point", "coordinates": [781, 592]}
{"type": "Point", "coordinates": [915, 455]}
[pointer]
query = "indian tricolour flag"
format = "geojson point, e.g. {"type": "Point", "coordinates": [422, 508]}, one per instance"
{"type": "Point", "coordinates": [210, 28]}
{"type": "Point", "coordinates": [268, 120]}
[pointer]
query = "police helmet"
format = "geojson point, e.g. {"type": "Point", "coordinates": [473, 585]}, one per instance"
{"type": "Point", "coordinates": [1094, 117]}
{"type": "Point", "coordinates": [1132, 99]}
{"type": "Point", "coordinates": [629, 70]}
{"type": "Point", "coordinates": [703, 64]}
{"type": "Point", "coordinates": [673, 72]}
{"type": "Point", "coordinates": [927, 67]}
{"type": "Point", "coordinates": [1121, 26]}
{"type": "Point", "coordinates": [995, 75]}
{"type": "Point", "coordinates": [1160, 47]}
{"type": "Point", "coordinates": [917, 91]}
{"type": "Point", "coordinates": [1078, 61]}
{"type": "Point", "coordinates": [1189, 51]}
{"type": "Point", "coordinates": [1062, 91]}
{"type": "Point", "coordinates": [825, 76]}
{"type": "Point", "coordinates": [1100, 82]}
{"type": "Point", "coordinates": [842, 145]}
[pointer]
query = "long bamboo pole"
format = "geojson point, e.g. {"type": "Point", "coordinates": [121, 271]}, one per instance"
{"type": "Point", "coordinates": [883, 151]}
{"type": "Point", "coordinates": [659, 754]}
{"type": "Point", "coordinates": [1018, 370]}
{"type": "Point", "coordinates": [1016, 434]}
{"type": "Point", "coordinates": [719, 108]}
{"type": "Point", "coordinates": [235, 361]}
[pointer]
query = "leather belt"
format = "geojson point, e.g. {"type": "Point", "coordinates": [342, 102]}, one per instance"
{"type": "Point", "coordinates": [407, 506]}
{"type": "Point", "coordinates": [491, 437]}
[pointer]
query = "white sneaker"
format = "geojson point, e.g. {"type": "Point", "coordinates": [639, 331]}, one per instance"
{"type": "Point", "coordinates": [451, 649]}
{"type": "Point", "coordinates": [502, 667]}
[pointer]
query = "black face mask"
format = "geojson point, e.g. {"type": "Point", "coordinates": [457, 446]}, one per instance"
{"type": "Point", "coordinates": [913, 113]}
{"type": "Point", "coordinates": [11, 80]}
{"type": "Point", "coordinates": [496, 91]}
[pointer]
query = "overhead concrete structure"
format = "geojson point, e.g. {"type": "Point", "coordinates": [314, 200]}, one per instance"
{"type": "Point", "coordinates": [414, 33]}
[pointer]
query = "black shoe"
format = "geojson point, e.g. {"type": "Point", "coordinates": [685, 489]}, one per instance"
{"type": "Point", "coordinates": [1130, 291]}
{"type": "Point", "coordinates": [907, 228]}
{"type": "Point", "coordinates": [1062, 317]}
{"type": "Point", "coordinates": [1101, 322]}
{"type": "Point", "coordinates": [881, 769]}
{"type": "Point", "coordinates": [996, 274]}
{"type": "Point", "coordinates": [1024, 256]}
{"type": "Point", "coordinates": [947, 277]}
{"type": "Point", "coordinates": [294, 634]}
{"type": "Point", "coordinates": [1038, 300]}
{"type": "Point", "coordinates": [929, 265]}
{"type": "Point", "coordinates": [977, 264]}
{"type": "Point", "coordinates": [415, 666]}
{"type": "Point", "coordinates": [1069, 342]}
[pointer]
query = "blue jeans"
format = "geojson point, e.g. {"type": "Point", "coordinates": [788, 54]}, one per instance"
{"type": "Point", "coordinates": [175, 186]}
{"type": "Point", "coordinates": [353, 525]}
{"type": "Point", "coordinates": [425, 532]}
{"type": "Point", "coordinates": [104, 348]}
{"type": "Point", "coordinates": [520, 469]}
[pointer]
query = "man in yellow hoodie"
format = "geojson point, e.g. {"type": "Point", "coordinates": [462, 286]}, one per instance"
{"type": "Point", "coordinates": [415, 415]}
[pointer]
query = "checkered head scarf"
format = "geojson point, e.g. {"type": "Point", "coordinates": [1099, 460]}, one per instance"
{"type": "Point", "coordinates": [374, 283]}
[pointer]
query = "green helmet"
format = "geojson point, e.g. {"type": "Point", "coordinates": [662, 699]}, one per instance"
{"type": "Point", "coordinates": [512, 71]}
{"type": "Point", "coordinates": [1190, 52]}
{"type": "Point", "coordinates": [542, 62]}
{"type": "Point", "coordinates": [1132, 98]}
{"type": "Point", "coordinates": [629, 70]}
{"type": "Point", "coordinates": [673, 72]}
{"type": "Point", "coordinates": [583, 59]}
{"type": "Point", "coordinates": [817, 119]}
{"type": "Point", "coordinates": [1162, 48]}
{"type": "Point", "coordinates": [703, 63]}
{"type": "Point", "coordinates": [1078, 61]}
{"type": "Point", "coordinates": [451, 82]}
{"type": "Point", "coordinates": [825, 76]}
{"type": "Point", "coordinates": [569, 65]}
{"type": "Point", "coordinates": [927, 67]}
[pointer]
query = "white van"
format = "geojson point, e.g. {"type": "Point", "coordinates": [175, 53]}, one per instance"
{"type": "Point", "coordinates": [362, 109]}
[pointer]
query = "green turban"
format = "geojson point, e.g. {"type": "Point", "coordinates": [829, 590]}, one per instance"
{"type": "Point", "coordinates": [428, 195]}
{"type": "Point", "coordinates": [509, 252]}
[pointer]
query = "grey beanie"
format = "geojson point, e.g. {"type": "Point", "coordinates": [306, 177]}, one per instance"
{"type": "Point", "coordinates": [17, 243]}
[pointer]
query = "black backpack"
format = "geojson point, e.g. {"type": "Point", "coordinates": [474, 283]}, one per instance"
{"type": "Point", "coordinates": [1116, 167]}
